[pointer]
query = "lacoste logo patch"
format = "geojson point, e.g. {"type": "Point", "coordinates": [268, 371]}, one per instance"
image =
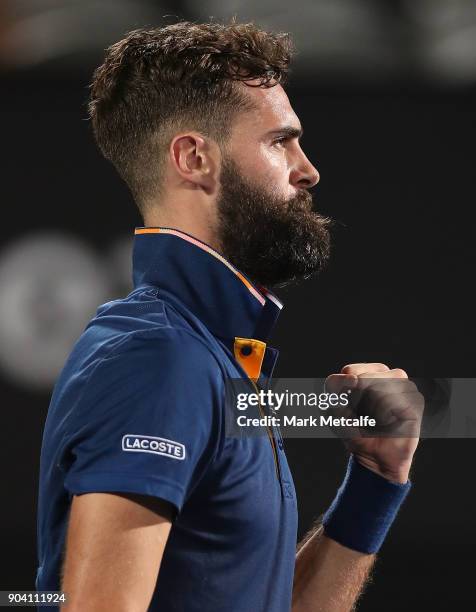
{"type": "Point", "coordinates": [152, 444]}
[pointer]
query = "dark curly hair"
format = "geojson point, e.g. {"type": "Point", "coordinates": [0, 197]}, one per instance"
{"type": "Point", "coordinates": [182, 76]}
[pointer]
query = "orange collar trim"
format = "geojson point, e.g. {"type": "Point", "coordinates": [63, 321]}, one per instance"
{"type": "Point", "coordinates": [208, 249]}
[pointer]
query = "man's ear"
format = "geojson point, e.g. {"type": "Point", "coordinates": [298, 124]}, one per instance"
{"type": "Point", "coordinates": [194, 160]}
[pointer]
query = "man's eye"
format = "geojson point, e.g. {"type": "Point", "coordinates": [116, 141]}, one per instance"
{"type": "Point", "coordinates": [282, 140]}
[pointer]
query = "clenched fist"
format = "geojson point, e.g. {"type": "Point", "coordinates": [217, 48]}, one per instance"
{"type": "Point", "coordinates": [396, 404]}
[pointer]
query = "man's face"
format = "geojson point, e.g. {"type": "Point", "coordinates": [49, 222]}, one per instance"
{"type": "Point", "coordinates": [267, 227]}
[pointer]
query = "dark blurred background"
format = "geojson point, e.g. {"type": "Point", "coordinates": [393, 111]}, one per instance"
{"type": "Point", "coordinates": [386, 92]}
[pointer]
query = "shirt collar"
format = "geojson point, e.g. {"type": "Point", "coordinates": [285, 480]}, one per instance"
{"type": "Point", "coordinates": [205, 282]}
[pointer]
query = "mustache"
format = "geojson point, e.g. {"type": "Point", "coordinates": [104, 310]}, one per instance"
{"type": "Point", "coordinates": [302, 201]}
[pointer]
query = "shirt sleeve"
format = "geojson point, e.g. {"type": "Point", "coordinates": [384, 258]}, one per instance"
{"type": "Point", "coordinates": [148, 420]}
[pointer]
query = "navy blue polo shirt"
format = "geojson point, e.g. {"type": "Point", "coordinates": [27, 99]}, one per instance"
{"type": "Point", "coordinates": [140, 408]}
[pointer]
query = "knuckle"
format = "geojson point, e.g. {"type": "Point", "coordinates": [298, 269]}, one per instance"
{"type": "Point", "coordinates": [331, 382]}
{"type": "Point", "coordinates": [353, 368]}
{"type": "Point", "coordinates": [399, 373]}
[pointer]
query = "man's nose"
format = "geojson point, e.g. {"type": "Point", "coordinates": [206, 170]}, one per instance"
{"type": "Point", "coordinates": [305, 176]}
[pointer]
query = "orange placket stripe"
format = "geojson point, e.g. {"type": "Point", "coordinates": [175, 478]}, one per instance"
{"type": "Point", "coordinates": [270, 436]}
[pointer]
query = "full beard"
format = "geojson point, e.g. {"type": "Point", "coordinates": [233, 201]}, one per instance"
{"type": "Point", "coordinates": [272, 240]}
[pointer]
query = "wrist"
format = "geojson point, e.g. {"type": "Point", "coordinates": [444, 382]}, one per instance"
{"type": "Point", "coordinates": [398, 476]}
{"type": "Point", "coordinates": [364, 508]}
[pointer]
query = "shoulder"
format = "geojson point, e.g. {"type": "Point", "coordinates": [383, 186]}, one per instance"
{"type": "Point", "coordinates": [138, 345]}
{"type": "Point", "coordinates": [164, 349]}
{"type": "Point", "coordinates": [147, 373]}
{"type": "Point", "coordinates": [140, 327]}
{"type": "Point", "coordinates": [159, 352]}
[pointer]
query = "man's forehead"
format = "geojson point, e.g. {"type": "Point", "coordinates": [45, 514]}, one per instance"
{"type": "Point", "coordinates": [273, 108]}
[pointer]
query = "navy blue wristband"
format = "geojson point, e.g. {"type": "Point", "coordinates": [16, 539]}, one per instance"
{"type": "Point", "coordinates": [364, 509]}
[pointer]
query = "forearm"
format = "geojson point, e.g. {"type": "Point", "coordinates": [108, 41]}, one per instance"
{"type": "Point", "coordinates": [334, 560]}
{"type": "Point", "coordinates": [328, 577]}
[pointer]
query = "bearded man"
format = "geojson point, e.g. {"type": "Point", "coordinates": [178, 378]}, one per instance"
{"type": "Point", "coordinates": [145, 503]}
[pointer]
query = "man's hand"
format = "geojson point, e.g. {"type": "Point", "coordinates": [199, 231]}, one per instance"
{"type": "Point", "coordinates": [397, 404]}
{"type": "Point", "coordinates": [329, 576]}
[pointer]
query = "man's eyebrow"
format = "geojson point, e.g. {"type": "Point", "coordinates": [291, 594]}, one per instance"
{"type": "Point", "coordinates": [287, 130]}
